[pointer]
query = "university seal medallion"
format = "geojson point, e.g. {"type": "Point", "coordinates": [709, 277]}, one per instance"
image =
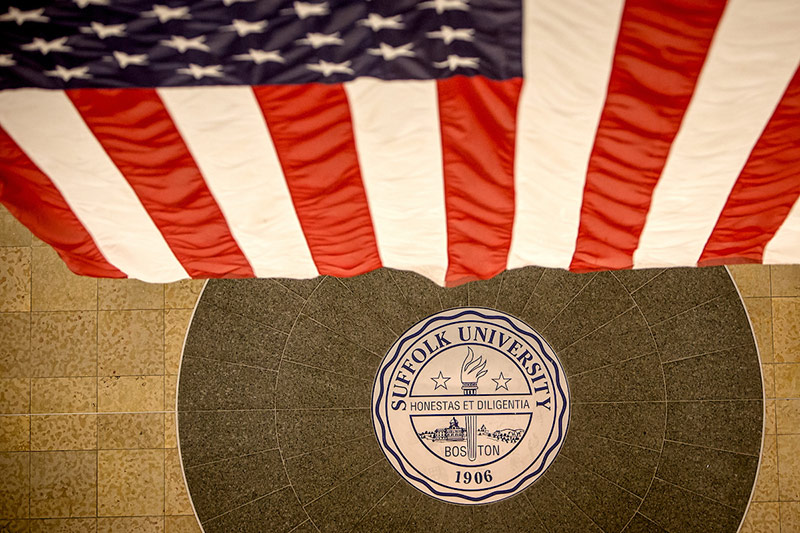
{"type": "Point", "coordinates": [470, 405]}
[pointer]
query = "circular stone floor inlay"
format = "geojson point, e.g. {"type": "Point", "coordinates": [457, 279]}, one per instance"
{"type": "Point", "coordinates": [663, 427]}
{"type": "Point", "coordinates": [470, 405]}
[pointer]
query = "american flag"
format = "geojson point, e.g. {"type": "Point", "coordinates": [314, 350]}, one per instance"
{"type": "Point", "coordinates": [455, 138]}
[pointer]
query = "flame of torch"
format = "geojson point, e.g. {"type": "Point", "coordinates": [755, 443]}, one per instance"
{"type": "Point", "coordinates": [472, 370]}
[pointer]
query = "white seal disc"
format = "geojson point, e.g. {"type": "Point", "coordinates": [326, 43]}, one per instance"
{"type": "Point", "coordinates": [470, 405]}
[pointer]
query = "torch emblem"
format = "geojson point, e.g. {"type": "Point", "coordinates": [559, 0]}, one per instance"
{"type": "Point", "coordinates": [472, 370]}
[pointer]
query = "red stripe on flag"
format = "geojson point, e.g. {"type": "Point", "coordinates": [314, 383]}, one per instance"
{"type": "Point", "coordinates": [137, 132]}
{"type": "Point", "coordinates": [478, 122]}
{"type": "Point", "coordinates": [312, 130]}
{"type": "Point", "coordinates": [765, 190]}
{"type": "Point", "coordinates": [660, 51]}
{"type": "Point", "coordinates": [31, 197]}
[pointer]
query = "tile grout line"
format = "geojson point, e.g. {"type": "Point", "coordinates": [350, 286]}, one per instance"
{"type": "Point", "coordinates": [774, 393]}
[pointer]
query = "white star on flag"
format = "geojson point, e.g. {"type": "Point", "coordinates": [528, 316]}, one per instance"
{"type": "Point", "coordinates": [260, 56]}
{"type": "Point", "coordinates": [181, 44]}
{"type": "Point", "coordinates": [306, 9]}
{"type": "Point", "coordinates": [130, 59]}
{"type": "Point", "coordinates": [7, 60]}
{"type": "Point", "coordinates": [45, 47]}
{"type": "Point", "coordinates": [198, 71]}
{"type": "Point", "coordinates": [449, 34]}
{"type": "Point", "coordinates": [67, 74]}
{"type": "Point", "coordinates": [326, 68]}
{"type": "Point", "coordinates": [21, 17]}
{"type": "Point", "coordinates": [166, 13]}
{"type": "Point", "coordinates": [444, 5]}
{"type": "Point", "coordinates": [440, 381]}
{"type": "Point", "coordinates": [377, 22]}
{"type": "Point", "coordinates": [454, 62]}
{"type": "Point", "coordinates": [390, 53]}
{"type": "Point", "coordinates": [83, 3]}
{"type": "Point", "coordinates": [243, 27]}
{"type": "Point", "coordinates": [103, 31]}
{"type": "Point", "coordinates": [503, 385]}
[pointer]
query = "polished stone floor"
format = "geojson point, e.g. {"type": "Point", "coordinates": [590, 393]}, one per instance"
{"type": "Point", "coordinates": [666, 398]}
{"type": "Point", "coordinates": [88, 372]}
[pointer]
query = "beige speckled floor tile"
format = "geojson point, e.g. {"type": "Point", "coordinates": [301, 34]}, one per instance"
{"type": "Point", "coordinates": [15, 279]}
{"type": "Point", "coordinates": [55, 288]}
{"type": "Point", "coordinates": [760, 312]}
{"type": "Point", "coordinates": [64, 432]}
{"type": "Point", "coordinates": [767, 481]}
{"type": "Point", "coordinates": [130, 343]}
{"type": "Point", "coordinates": [787, 416]}
{"type": "Point", "coordinates": [15, 396]}
{"type": "Point", "coordinates": [170, 393]}
{"type": "Point", "coordinates": [790, 516]}
{"type": "Point", "coordinates": [129, 294]}
{"type": "Point", "coordinates": [762, 517]}
{"type": "Point", "coordinates": [37, 242]}
{"type": "Point", "coordinates": [182, 524]}
{"type": "Point", "coordinates": [64, 344]}
{"type": "Point", "coordinates": [789, 467]}
{"type": "Point", "coordinates": [182, 294]}
{"type": "Point", "coordinates": [15, 433]}
{"type": "Point", "coordinates": [15, 345]}
{"type": "Point", "coordinates": [130, 482]}
{"type": "Point", "coordinates": [12, 232]}
{"type": "Point", "coordinates": [15, 488]}
{"type": "Point", "coordinates": [768, 375]}
{"type": "Point", "coordinates": [15, 526]}
{"type": "Point", "coordinates": [177, 498]}
{"type": "Point", "coordinates": [786, 329]}
{"type": "Point", "coordinates": [752, 280]}
{"type": "Point", "coordinates": [770, 423]}
{"type": "Point", "coordinates": [787, 380]}
{"type": "Point", "coordinates": [137, 524]}
{"type": "Point", "coordinates": [63, 395]}
{"type": "Point", "coordinates": [63, 484]}
{"type": "Point", "coordinates": [170, 430]}
{"type": "Point", "coordinates": [130, 431]}
{"type": "Point", "coordinates": [130, 394]}
{"type": "Point", "coordinates": [63, 525]}
{"type": "Point", "coordinates": [176, 322]}
{"type": "Point", "coordinates": [785, 280]}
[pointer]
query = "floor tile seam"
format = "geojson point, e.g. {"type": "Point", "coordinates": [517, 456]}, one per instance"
{"type": "Point", "coordinates": [535, 511]}
{"type": "Point", "coordinates": [600, 475]}
{"type": "Point", "coordinates": [367, 306]}
{"type": "Point", "coordinates": [655, 450]}
{"type": "Point", "coordinates": [668, 400]}
{"type": "Point", "coordinates": [414, 510]}
{"type": "Point", "coordinates": [275, 406]}
{"type": "Point", "coordinates": [595, 330]}
{"type": "Point", "coordinates": [735, 511]}
{"type": "Point", "coordinates": [88, 413]}
{"type": "Point", "coordinates": [349, 376]}
{"type": "Point", "coordinates": [694, 445]}
{"type": "Point", "coordinates": [578, 507]}
{"type": "Point", "coordinates": [319, 279]}
{"type": "Point", "coordinates": [703, 354]}
{"type": "Point", "coordinates": [216, 517]}
{"type": "Point", "coordinates": [329, 446]}
{"type": "Point", "coordinates": [339, 333]}
{"type": "Point", "coordinates": [402, 292]}
{"type": "Point", "coordinates": [300, 524]}
{"type": "Point", "coordinates": [200, 357]}
{"type": "Point", "coordinates": [231, 458]}
{"type": "Point", "coordinates": [695, 307]}
{"type": "Point", "coordinates": [583, 288]}
{"type": "Point", "coordinates": [499, 289]}
{"type": "Point", "coordinates": [242, 316]}
{"type": "Point", "coordinates": [344, 481]}
{"type": "Point", "coordinates": [570, 376]}
{"type": "Point", "coordinates": [535, 286]}
{"type": "Point", "coordinates": [640, 287]}
{"type": "Point", "coordinates": [374, 505]}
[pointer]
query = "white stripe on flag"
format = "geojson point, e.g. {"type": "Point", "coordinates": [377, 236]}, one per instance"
{"type": "Point", "coordinates": [398, 138]}
{"type": "Point", "coordinates": [48, 128]}
{"type": "Point", "coordinates": [782, 248]}
{"type": "Point", "coordinates": [228, 138]}
{"type": "Point", "coordinates": [568, 50]}
{"type": "Point", "coordinates": [755, 52]}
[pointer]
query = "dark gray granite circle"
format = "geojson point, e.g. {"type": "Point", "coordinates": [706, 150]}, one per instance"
{"type": "Point", "coordinates": [666, 403]}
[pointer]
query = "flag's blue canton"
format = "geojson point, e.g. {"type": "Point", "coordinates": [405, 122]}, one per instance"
{"type": "Point", "coordinates": [130, 43]}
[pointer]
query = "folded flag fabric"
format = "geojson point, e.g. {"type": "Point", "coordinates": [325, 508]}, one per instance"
{"type": "Point", "coordinates": [168, 139]}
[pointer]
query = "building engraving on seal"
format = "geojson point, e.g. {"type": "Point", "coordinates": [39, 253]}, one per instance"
{"type": "Point", "coordinates": [470, 405]}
